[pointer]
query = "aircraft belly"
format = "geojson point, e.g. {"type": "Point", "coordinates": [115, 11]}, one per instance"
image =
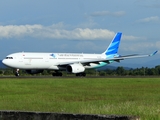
{"type": "Point", "coordinates": [93, 65]}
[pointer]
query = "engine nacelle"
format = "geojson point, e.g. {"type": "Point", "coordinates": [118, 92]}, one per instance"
{"type": "Point", "coordinates": [75, 68]}
{"type": "Point", "coordinates": [34, 71]}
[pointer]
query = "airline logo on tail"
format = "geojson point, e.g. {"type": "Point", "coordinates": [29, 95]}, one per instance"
{"type": "Point", "coordinates": [114, 45]}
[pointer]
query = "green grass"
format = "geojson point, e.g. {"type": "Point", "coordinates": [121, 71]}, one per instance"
{"type": "Point", "coordinates": [122, 96]}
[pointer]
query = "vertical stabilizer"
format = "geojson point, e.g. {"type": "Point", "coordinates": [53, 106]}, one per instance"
{"type": "Point", "coordinates": [114, 45]}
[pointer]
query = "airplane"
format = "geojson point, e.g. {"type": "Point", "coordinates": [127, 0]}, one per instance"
{"type": "Point", "coordinates": [34, 62]}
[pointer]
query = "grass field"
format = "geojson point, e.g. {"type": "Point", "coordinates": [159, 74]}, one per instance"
{"type": "Point", "coordinates": [121, 96]}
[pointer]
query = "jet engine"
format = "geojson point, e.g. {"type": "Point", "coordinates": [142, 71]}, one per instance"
{"type": "Point", "coordinates": [34, 71]}
{"type": "Point", "coordinates": [75, 68]}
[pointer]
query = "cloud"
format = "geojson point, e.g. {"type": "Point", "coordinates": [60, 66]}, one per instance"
{"type": "Point", "coordinates": [130, 37]}
{"type": "Point", "coordinates": [140, 47]}
{"type": "Point", "coordinates": [108, 13]}
{"type": "Point", "coordinates": [57, 31]}
{"type": "Point", "coordinates": [158, 45]}
{"type": "Point", "coordinates": [18, 31]}
{"type": "Point", "coordinates": [149, 19]}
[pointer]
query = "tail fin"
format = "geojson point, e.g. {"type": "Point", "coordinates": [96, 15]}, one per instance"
{"type": "Point", "coordinates": [114, 45]}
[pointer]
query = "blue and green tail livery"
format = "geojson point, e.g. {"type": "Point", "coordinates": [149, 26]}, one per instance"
{"type": "Point", "coordinates": [114, 45]}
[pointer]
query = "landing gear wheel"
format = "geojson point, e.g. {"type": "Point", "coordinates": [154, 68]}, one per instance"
{"type": "Point", "coordinates": [17, 73]}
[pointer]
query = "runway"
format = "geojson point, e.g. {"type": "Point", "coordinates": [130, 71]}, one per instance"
{"type": "Point", "coordinates": [3, 77]}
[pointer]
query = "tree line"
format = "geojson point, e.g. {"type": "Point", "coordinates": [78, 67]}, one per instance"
{"type": "Point", "coordinates": [119, 71]}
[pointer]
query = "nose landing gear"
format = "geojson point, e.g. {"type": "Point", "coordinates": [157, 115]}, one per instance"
{"type": "Point", "coordinates": [17, 73]}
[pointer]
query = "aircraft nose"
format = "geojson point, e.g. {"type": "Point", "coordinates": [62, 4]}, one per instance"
{"type": "Point", "coordinates": [8, 63]}
{"type": "Point", "coordinates": [4, 61]}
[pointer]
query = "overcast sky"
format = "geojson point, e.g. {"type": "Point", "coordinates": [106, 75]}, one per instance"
{"type": "Point", "coordinates": [85, 26]}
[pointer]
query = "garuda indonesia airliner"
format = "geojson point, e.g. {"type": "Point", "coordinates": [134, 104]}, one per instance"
{"type": "Point", "coordinates": [71, 62]}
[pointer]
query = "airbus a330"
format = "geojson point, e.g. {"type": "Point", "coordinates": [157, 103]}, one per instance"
{"type": "Point", "coordinates": [76, 63]}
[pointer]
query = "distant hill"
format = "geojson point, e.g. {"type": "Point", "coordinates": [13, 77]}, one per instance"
{"type": "Point", "coordinates": [112, 67]}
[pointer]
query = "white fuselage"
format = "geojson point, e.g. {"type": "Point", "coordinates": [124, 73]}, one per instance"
{"type": "Point", "coordinates": [26, 60]}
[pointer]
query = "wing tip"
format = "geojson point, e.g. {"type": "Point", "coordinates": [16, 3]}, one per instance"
{"type": "Point", "coordinates": [154, 53]}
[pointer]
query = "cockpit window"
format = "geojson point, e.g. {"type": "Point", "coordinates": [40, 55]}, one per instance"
{"type": "Point", "coordinates": [9, 57]}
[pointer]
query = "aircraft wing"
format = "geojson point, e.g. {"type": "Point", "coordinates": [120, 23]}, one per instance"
{"type": "Point", "coordinates": [137, 55]}
{"type": "Point", "coordinates": [117, 59]}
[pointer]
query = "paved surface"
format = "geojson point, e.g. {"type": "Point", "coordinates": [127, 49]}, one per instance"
{"type": "Point", "coordinates": [21, 115]}
{"type": "Point", "coordinates": [2, 77]}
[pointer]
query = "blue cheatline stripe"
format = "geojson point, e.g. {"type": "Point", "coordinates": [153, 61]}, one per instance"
{"type": "Point", "coordinates": [114, 45]}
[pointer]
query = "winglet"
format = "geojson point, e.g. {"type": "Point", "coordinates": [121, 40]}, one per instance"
{"type": "Point", "coordinates": [114, 45]}
{"type": "Point", "coordinates": [153, 53]}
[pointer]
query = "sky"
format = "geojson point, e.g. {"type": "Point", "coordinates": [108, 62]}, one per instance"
{"type": "Point", "coordinates": [85, 26]}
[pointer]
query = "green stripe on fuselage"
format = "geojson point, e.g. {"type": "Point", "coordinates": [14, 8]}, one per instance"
{"type": "Point", "coordinates": [103, 64]}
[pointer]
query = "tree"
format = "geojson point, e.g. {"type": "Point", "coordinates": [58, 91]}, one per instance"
{"type": "Point", "coordinates": [102, 73]}
{"type": "Point", "coordinates": [120, 71]}
{"type": "Point", "coordinates": [8, 72]}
